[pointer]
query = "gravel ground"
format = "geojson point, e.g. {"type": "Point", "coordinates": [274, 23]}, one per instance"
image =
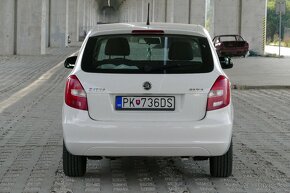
{"type": "Point", "coordinates": [31, 143]}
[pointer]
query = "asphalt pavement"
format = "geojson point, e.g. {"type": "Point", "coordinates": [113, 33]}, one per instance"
{"type": "Point", "coordinates": [31, 97]}
{"type": "Point", "coordinates": [260, 72]}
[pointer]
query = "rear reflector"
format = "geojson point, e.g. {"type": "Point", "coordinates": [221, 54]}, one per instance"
{"type": "Point", "coordinates": [147, 32]}
{"type": "Point", "coordinates": [75, 95]}
{"type": "Point", "coordinates": [219, 95]}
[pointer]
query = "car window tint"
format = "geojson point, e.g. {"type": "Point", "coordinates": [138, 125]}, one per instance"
{"type": "Point", "coordinates": [158, 54]}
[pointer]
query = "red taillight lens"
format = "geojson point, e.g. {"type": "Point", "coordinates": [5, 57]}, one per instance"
{"type": "Point", "coordinates": [75, 95]}
{"type": "Point", "coordinates": [219, 44]}
{"type": "Point", "coordinates": [219, 95]}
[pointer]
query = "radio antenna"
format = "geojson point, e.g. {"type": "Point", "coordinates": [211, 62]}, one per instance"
{"type": "Point", "coordinates": [148, 15]}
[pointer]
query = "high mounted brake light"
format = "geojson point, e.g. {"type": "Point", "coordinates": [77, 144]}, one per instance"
{"type": "Point", "coordinates": [147, 32]}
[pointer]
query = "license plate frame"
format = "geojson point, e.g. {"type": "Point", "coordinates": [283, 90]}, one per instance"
{"type": "Point", "coordinates": [119, 100]}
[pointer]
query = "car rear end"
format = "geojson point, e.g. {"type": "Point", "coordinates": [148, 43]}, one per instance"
{"type": "Point", "coordinates": [153, 92]}
{"type": "Point", "coordinates": [232, 46]}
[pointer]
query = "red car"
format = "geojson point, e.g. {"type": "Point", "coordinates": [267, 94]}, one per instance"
{"type": "Point", "coordinates": [230, 45]}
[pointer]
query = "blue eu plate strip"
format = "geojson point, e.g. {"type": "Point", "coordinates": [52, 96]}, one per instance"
{"type": "Point", "coordinates": [118, 102]}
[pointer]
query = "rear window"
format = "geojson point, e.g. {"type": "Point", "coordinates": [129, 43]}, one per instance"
{"type": "Point", "coordinates": [228, 38]}
{"type": "Point", "coordinates": [147, 54]}
{"type": "Point", "coordinates": [231, 38]}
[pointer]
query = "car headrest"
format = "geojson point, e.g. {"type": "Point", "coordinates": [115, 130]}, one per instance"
{"type": "Point", "coordinates": [180, 50]}
{"type": "Point", "coordinates": [117, 47]}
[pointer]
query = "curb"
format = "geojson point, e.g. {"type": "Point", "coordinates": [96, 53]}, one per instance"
{"type": "Point", "coordinates": [247, 87]}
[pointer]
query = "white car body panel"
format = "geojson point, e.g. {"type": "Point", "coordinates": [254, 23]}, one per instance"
{"type": "Point", "coordinates": [208, 137]}
{"type": "Point", "coordinates": [190, 130]}
{"type": "Point", "coordinates": [190, 95]}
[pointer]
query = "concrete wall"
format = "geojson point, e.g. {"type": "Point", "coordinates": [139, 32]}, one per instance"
{"type": "Point", "coordinates": [173, 11]}
{"type": "Point", "coordinates": [59, 23]}
{"type": "Point", "coordinates": [7, 31]}
{"type": "Point", "coordinates": [226, 17]}
{"type": "Point", "coordinates": [253, 24]}
{"type": "Point", "coordinates": [29, 27]}
{"type": "Point", "coordinates": [245, 17]}
{"type": "Point", "coordinates": [33, 25]}
{"type": "Point", "coordinates": [73, 20]}
{"type": "Point", "coordinates": [81, 19]}
{"type": "Point", "coordinates": [198, 12]}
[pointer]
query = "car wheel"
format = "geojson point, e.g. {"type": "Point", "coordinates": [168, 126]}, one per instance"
{"type": "Point", "coordinates": [221, 166]}
{"type": "Point", "coordinates": [73, 166]}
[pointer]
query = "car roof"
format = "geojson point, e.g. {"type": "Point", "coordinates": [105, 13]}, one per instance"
{"type": "Point", "coordinates": [168, 28]}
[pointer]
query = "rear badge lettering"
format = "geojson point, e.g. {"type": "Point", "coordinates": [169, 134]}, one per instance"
{"type": "Point", "coordinates": [96, 90]}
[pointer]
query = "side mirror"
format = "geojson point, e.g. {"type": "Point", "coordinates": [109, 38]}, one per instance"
{"type": "Point", "coordinates": [226, 62]}
{"type": "Point", "coordinates": [70, 62]}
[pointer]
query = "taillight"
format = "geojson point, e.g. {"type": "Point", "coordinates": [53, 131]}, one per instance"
{"type": "Point", "coordinates": [75, 95]}
{"type": "Point", "coordinates": [219, 95]}
{"type": "Point", "coordinates": [219, 44]}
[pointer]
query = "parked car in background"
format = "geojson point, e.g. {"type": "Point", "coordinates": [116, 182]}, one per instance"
{"type": "Point", "coordinates": [230, 45]}
{"type": "Point", "coordinates": [147, 90]}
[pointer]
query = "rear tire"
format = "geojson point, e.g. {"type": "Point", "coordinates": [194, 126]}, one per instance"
{"type": "Point", "coordinates": [73, 165]}
{"type": "Point", "coordinates": [221, 166]}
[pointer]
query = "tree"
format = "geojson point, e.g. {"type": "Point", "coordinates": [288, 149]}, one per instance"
{"type": "Point", "coordinates": [273, 20]}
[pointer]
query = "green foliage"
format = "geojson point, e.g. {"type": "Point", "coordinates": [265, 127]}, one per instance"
{"type": "Point", "coordinates": [273, 22]}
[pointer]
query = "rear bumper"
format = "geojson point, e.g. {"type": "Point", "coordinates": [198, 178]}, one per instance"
{"type": "Point", "coordinates": [208, 137]}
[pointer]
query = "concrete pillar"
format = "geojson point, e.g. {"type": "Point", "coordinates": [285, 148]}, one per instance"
{"type": "Point", "coordinates": [253, 24]}
{"type": "Point", "coordinates": [7, 21]}
{"type": "Point", "coordinates": [124, 11]}
{"type": "Point", "coordinates": [170, 11]}
{"type": "Point", "coordinates": [106, 14]}
{"type": "Point", "coordinates": [73, 20]}
{"type": "Point", "coordinates": [159, 10]}
{"type": "Point", "coordinates": [132, 14]}
{"type": "Point", "coordinates": [96, 11]}
{"type": "Point", "coordinates": [59, 23]}
{"type": "Point", "coordinates": [47, 23]}
{"type": "Point", "coordinates": [80, 26]}
{"type": "Point", "coordinates": [226, 17]}
{"type": "Point", "coordinates": [31, 27]}
{"type": "Point", "coordinates": [139, 11]}
{"type": "Point", "coordinates": [197, 12]}
{"type": "Point", "coordinates": [245, 17]}
{"type": "Point", "coordinates": [87, 15]}
{"type": "Point", "coordinates": [178, 11]}
{"type": "Point", "coordinates": [209, 18]}
{"type": "Point", "coordinates": [145, 10]}
{"type": "Point", "coordinates": [79, 20]}
{"type": "Point", "coordinates": [90, 14]}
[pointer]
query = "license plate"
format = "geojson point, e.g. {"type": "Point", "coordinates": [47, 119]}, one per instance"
{"type": "Point", "coordinates": [165, 103]}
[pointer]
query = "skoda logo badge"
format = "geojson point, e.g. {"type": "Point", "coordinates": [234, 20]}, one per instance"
{"type": "Point", "coordinates": [147, 85]}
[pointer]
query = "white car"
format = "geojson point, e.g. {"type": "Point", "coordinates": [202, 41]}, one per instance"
{"type": "Point", "coordinates": [147, 90]}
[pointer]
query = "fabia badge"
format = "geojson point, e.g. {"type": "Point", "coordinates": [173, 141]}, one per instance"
{"type": "Point", "coordinates": [147, 85]}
